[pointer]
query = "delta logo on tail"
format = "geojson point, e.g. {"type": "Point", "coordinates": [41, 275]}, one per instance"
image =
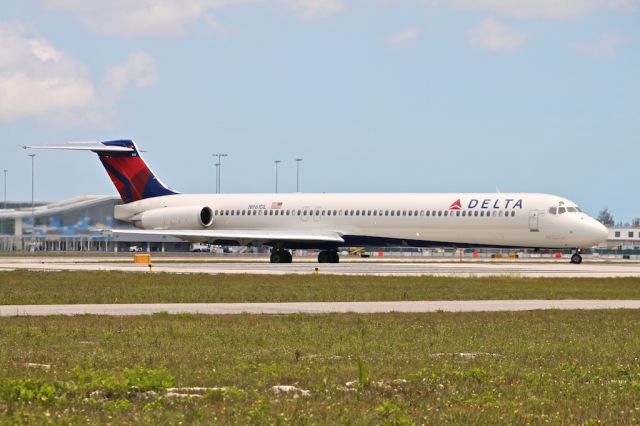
{"type": "Point", "coordinates": [457, 205]}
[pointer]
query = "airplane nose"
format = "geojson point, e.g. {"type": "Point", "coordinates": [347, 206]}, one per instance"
{"type": "Point", "coordinates": [601, 231]}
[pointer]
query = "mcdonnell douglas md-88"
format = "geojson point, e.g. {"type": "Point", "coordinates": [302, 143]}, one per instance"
{"type": "Point", "coordinates": [329, 221]}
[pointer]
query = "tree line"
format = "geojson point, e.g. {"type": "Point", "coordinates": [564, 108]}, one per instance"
{"type": "Point", "coordinates": [606, 218]}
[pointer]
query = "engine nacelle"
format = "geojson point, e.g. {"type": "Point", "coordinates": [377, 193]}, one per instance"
{"type": "Point", "coordinates": [192, 217]}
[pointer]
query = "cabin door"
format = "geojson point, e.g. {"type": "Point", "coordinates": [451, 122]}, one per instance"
{"type": "Point", "coordinates": [534, 222]}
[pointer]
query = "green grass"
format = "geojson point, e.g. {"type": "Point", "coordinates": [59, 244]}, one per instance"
{"type": "Point", "coordinates": [25, 287]}
{"type": "Point", "coordinates": [568, 367]}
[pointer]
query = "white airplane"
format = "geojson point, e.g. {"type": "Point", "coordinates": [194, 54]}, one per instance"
{"type": "Point", "coordinates": [330, 221]}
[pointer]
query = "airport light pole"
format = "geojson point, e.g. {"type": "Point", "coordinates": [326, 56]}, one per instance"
{"type": "Point", "coordinates": [219, 172]}
{"type": "Point", "coordinates": [276, 163]}
{"type": "Point", "coordinates": [33, 215]}
{"type": "Point", "coordinates": [5, 189]}
{"type": "Point", "coordinates": [298, 160]}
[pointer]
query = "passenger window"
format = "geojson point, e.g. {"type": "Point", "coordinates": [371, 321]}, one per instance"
{"type": "Point", "coordinates": [410, 213]}
{"type": "Point", "coordinates": [397, 212]}
{"type": "Point", "coordinates": [513, 213]}
{"type": "Point", "coordinates": [386, 212]}
{"type": "Point", "coordinates": [446, 213]}
{"type": "Point", "coordinates": [439, 212]}
{"type": "Point", "coordinates": [553, 210]}
{"type": "Point", "coordinates": [375, 212]}
{"type": "Point", "coordinates": [428, 213]}
{"type": "Point", "coordinates": [334, 212]}
{"type": "Point", "coordinates": [475, 213]}
{"type": "Point", "coordinates": [561, 210]}
{"type": "Point", "coordinates": [393, 212]}
{"type": "Point", "coordinates": [433, 213]}
{"type": "Point", "coordinates": [232, 212]}
{"type": "Point", "coordinates": [357, 212]}
{"type": "Point", "coordinates": [304, 212]}
{"type": "Point", "coordinates": [458, 213]}
{"type": "Point", "coordinates": [415, 212]}
{"type": "Point", "coordinates": [317, 212]}
{"type": "Point", "coordinates": [421, 212]}
{"type": "Point", "coordinates": [464, 213]}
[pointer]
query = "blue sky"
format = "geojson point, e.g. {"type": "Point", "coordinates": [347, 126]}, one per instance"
{"type": "Point", "coordinates": [376, 96]}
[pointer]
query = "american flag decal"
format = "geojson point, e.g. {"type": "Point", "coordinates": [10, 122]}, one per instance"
{"type": "Point", "coordinates": [276, 205]}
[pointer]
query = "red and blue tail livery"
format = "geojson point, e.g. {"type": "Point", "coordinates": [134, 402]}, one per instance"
{"type": "Point", "coordinates": [131, 175]}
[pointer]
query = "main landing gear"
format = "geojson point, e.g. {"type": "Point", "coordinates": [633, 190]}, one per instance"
{"type": "Point", "coordinates": [328, 256]}
{"type": "Point", "coordinates": [281, 256]}
{"type": "Point", "coordinates": [576, 258]}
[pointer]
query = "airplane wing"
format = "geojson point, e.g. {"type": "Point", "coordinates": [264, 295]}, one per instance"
{"type": "Point", "coordinates": [243, 237]}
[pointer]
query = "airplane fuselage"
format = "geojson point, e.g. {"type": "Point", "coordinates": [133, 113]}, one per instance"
{"type": "Point", "coordinates": [420, 220]}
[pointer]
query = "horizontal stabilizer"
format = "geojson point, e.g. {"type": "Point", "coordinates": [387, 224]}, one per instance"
{"type": "Point", "coordinates": [82, 146]}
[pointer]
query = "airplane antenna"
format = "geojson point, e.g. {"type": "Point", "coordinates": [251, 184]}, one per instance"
{"type": "Point", "coordinates": [498, 190]}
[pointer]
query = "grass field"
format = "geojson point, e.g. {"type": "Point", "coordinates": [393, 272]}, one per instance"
{"type": "Point", "coordinates": [528, 367]}
{"type": "Point", "coordinates": [25, 287]}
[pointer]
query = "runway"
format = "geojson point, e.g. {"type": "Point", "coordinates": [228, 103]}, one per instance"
{"type": "Point", "coordinates": [315, 307]}
{"type": "Point", "coordinates": [462, 269]}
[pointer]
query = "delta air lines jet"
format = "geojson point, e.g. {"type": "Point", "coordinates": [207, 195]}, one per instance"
{"type": "Point", "coordinates": [329, 221]}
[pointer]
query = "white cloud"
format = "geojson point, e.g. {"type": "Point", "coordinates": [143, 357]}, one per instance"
{"type": "Point", "coordinates": [402, 38]}
{"type": "Point", "coordinates": [170, 18]}
{"type": "Point", "coordinates": [495, 36]}
{"type": "Point", "coordinates": [605, 46]}
{"type": "Point", "coordinates": [547, 9]}
{"type": "Point", "coordinates": [139, 69]}
{"type": "Point", "coordinates": [39, 80]}
{"type": "Point", "coordinates": [311, 9]}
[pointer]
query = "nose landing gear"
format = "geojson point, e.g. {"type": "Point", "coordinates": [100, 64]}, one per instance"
{"type": "Point", "coordinates": [576, 258]}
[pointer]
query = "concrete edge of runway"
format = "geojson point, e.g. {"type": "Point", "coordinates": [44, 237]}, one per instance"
{"type": "Point", "coordinates": [315, 307]}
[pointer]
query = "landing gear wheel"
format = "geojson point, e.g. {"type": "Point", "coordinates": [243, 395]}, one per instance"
{"type": "Point", "coordinates": [328, 256]}
{"type": "Point", "coordinates": [576, 259]}
{"type": "Point", "coordinates": [276, 257]}
{"type": "Point", "coordinates": [281, 256]}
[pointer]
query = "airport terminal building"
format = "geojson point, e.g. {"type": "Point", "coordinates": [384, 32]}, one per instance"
{"type": "Point", "coordinates": [74, 225]}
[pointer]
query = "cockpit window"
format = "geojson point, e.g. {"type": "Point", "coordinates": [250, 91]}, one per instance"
{"type": "Point", "coordinates": [571, 209]}
{"type": "Point", "coordinates": [561, 210]}
{"type": "Point", "coordinates": [553, 210]}
{"type": "Point", "coordinates": [578, 208]}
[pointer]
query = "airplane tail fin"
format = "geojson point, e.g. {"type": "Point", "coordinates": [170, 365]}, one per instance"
{"type": "Point", "coordinates": [130, 174]}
